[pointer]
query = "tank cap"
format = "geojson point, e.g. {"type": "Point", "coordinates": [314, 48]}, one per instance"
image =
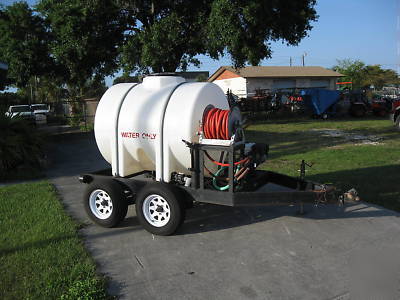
{"type": "Point", "coordinates": [156, 81]}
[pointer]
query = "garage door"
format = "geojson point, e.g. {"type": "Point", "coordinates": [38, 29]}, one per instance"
{"type": "Point", "coordinates": [284, 84]}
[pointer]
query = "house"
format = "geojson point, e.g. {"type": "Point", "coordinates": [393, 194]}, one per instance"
{"type": "Point", "coordinates": [245, 81]}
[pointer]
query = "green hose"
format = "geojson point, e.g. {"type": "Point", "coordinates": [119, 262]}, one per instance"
{"type": "Point", "coordinates": [214, 181]}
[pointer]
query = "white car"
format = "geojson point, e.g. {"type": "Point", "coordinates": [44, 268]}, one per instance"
{"type": "Point", "coordinates": [23, 111]}
{"type": "Point", "coordinates": [42, 109]}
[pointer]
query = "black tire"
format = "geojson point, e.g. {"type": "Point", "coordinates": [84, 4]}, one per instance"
{"type": "Point", "coordinates": [118, 202]}
{"type": "Point", "coordinates": [172, 208]}
{"type": "Point", "coordinates": [397, 123]}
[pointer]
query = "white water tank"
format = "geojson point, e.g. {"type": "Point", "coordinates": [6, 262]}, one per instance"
{"type": "Point", "coordinates": [141, 126]}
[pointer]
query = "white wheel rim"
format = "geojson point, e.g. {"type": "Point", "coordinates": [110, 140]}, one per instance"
{"type": "Point", "coordinates": [156, 210]}
{"type": "Point", "coordinates": [100, 204]}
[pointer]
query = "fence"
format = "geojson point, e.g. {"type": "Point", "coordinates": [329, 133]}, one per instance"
{"type": "Point", "coordinates": [76, 113]}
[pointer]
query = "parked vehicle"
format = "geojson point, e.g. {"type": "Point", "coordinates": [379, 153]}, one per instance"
{"type": "Point", "coordinates": [41, 112]}
{"type": "Point", "coordinates": [40, 109]}
{"type": "Point", "coordinates": [23, 111]}
{"type": "Point", "coordinates": [381, 106]}
{"type": "Point", "coordinates": [395, 113]}
{"type": "Point", "coordinates": [294, 103]}
{"type": "Point", "coordinates": [257, 103]}
{"type": "Point", "coordinates": [359, 103]}
{"type": "Point", "coordinates": [343, 105]}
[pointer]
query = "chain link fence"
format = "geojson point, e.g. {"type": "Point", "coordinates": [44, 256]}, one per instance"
{"type": "Point", "coordinates": [77, 114]}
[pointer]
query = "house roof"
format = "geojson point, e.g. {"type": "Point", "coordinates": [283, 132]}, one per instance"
{"type": "Point", "coordinates": [277, 72]}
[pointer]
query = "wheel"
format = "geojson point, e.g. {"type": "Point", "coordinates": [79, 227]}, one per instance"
{"type": "Point", "coordinates": [160, 208]}
{"type": "Point", "coordinates": [397, 123]}
{"type": "Point", "coordinates": [105, 203]}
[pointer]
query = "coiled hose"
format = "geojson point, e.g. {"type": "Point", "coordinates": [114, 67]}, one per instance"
{"type": "Point", "coordinates": [215, 124]}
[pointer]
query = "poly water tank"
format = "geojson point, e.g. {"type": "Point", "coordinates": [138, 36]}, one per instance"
{"type": "Point", "coordinates": [141, 126]}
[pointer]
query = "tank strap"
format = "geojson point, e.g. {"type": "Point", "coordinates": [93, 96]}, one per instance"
{"type": "Point", "coordinates": [162, 129]}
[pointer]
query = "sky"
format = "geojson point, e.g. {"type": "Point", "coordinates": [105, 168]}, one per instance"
{"type": "Point", "coordinates": [368, 30]}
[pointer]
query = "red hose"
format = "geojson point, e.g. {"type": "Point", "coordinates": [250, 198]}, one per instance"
{"type": "Point", "coordinates": [215, 124]}
{"type": "Point", "coordinates": [225, 165]}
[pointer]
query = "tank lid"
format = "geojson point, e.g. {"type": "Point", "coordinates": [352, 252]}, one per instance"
{"type": "Point", "coordinates": [155, 81]}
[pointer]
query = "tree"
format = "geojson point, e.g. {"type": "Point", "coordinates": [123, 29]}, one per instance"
{"type": "Point", "coordinates": [126, 78]}
{"type": "Point", "coordinates": [201, 78]}
{"type": "Point", "coordinates": [363, 76]}
{"type": "Point", "coordinates": [78, 40]}
{"type": "Point", "coordinates": [378, 77]}
{"type": "Point", "coordinates": [167, 34]}
{"type": "Point", "coordinates": [7, 98]}
{"type": "Point", "coordinates": [94, 87]}
{"type": "Point", "coordinates": [353, 71]}
{"type": "Point", "coordinates": [24, 44]}
{"type": "Point", "coordinates": [85, 36]}
{"type": "Point", "coordinates": [45, 89]}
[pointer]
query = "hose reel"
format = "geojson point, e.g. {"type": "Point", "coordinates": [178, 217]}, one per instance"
{"type": "Point", "coordinates": [218, 127]}
{"type": "Point", "coordinates": [222, 124]}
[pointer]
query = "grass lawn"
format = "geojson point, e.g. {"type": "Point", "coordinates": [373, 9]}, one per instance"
{"type": "Point", "coordinates": [41, 254]}
{"type": "Point", "coordinates": [373, 169]}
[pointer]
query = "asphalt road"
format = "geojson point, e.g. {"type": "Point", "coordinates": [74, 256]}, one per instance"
{"type": "Point", "coordinates": [229, 253]}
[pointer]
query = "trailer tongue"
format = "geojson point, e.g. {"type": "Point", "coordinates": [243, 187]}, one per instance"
{"type": "Point", "coordinates": [170, 143]}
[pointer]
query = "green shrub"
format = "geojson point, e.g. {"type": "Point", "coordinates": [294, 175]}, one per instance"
{"type": "Point", "coordinates": [20, 145]}
{"type": "Point", "coordinates": [89, 127]}
{"type": "Point", "coordinates": [75, 120]}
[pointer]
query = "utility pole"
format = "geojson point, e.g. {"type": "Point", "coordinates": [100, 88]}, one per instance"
{"type": "Point", "coordinates": [290, 63]}
{"type": "Point", "coordinates": [302, 58]}
{"type": "Point", "coordinates": [30, 84]}
{"type": "Point", "coordinates": [36, 92]}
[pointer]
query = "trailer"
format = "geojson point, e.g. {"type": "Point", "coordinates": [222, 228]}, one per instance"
{"type": "Point", "coordinates": [172, 143]}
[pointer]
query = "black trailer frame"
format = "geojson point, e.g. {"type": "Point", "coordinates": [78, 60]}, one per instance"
{"type": "Point", "coordinates": [287, 190]}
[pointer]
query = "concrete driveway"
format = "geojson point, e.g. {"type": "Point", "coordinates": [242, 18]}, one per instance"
{"type": "Point", "coordinates": [230, 253]}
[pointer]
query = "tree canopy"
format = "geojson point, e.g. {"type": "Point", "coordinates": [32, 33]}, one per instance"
{"type": "Point", "coordinates": [378, 77]}
{"type": "Point", "coordinates": [23, 43]}
{"type": "Point", "coordinates": [168, 34]}
{"type": "Point", "coordinates": [362, 75]}
{"type": "Point", "coordinates": [85, 36]}
{"type": "Point", "coordinates": [125, 78]}
{"type": "Point", "coordinates": [73, 41]}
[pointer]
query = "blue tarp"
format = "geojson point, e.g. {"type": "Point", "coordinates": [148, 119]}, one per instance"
{"type": "Point", "coordinates": [319, 100]}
